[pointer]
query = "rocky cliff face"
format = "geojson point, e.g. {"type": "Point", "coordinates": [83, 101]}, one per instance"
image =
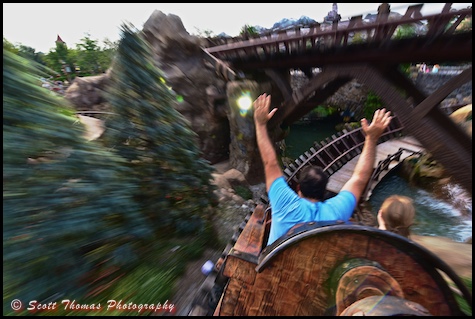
{"type": "Point", "coordinates": [179, 55]}
{"type": "Point", "coordinates": [180, 58]}
{"type": "Point", "coordinates": [429, 83]}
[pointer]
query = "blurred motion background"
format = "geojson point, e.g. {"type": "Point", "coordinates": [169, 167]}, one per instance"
{"type": "Point", "coordinates": [98, 219]}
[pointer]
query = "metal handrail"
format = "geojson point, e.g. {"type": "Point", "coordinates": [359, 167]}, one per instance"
{"type": "Point", "coordinates": [384, 165]}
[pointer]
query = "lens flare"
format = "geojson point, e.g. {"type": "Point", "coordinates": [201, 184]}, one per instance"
{"type": "Point", "coordinates": [244, 103]}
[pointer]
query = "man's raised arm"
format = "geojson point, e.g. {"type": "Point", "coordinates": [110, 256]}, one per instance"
{"type": "Point", "coordinates": [365, 165]}
{"type": "Point", "coordinates": [262, 115]}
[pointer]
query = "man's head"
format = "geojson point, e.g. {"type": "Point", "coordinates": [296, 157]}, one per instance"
{"type": "Point", "coordinates": [313, 182]}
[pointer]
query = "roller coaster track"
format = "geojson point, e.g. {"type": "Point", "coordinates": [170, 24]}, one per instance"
{"type": "Point", "coordinates": [384, 167]}
{"type": "Point", "coordinates": [334, 152]}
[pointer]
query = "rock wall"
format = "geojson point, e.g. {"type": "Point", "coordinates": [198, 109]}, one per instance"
{"type": "Point", "coordinates": [86, 93]}
{"type": "Point", "coordinates": [178, 54]}
{"type": "Point", "coordinates": [350, 96]}
{"type": "Point", "coordinates": [243, 153]}
{"type": "Point", "coordinates": [430, 82]}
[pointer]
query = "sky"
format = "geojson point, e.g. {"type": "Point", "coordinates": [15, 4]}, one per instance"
{"type": "Point", "coordinates": [37, 25]}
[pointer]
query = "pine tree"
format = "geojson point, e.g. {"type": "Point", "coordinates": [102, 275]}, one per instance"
{"type": "Point", "coordinates": [67, 203]}
{"type": "Point", "coordinates": [157, 141]}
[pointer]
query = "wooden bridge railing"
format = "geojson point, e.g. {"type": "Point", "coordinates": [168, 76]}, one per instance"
{"type": "Point", "coordinates": [304, 39]}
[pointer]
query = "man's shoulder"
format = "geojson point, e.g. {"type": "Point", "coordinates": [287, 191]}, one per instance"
{"type": "Point", "coordinates": [279, 181]}
{"type": "Point", "coordinates": [341, 195]}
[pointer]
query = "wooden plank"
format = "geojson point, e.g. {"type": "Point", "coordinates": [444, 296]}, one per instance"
{"type": "Point", "coordinates": [240, 269]}
{"type": "Point", "coordinates": [340, 177]}
{"type": "Point", "coordinates": [251, 239]}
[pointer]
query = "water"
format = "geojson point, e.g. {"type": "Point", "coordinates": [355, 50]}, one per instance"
{"type": "Point", "coordinates": [434, 217]}
{"type": "Point", "coordinates": [302, 136]}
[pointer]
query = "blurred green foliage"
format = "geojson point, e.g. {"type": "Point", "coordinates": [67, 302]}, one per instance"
{"type": "Point", "coordinates": [67, 202]}
{"type": "Point", "coordinates": [372, 103]}
{"type": "Point", "coordinates": [88, 58]}
{"type": "Point", "coordinates": [243, 192]}
{"type": "Point", "coordinates": [405, 31]}
{"type": "Point", "coordinates": [156, 141]}
{"type": "Point", "coordinates": [92, 220]}
{"type": "Point", "coordinates": [248, 31]}
{"type": "Point", "coordinates": [462, 302]}
{"type": "Point", "coordinates": [323, 111]}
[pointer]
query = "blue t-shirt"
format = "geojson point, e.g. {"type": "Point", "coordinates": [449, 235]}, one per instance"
{"type": "Point", "coordinates": [289, 209]}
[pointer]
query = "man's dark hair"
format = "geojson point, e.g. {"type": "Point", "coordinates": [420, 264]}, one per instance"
{"type": "Point", "coordinates": [313, 182]}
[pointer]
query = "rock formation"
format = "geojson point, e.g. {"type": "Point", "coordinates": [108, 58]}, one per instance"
{"type": "Point", "coordinates": [86, 93]}
{"type": "Point", "coordinates": [463, 117]}
{"type": "Point", "coordinates": [423, 171]}
{"type": "Point", "coordinates": [180, 58]}
{"type": "Point", "coordinates": [178, 54]}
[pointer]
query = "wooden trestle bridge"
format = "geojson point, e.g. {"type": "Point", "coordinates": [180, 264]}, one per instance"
{"type": "Point", "coordinates": [373, 60]}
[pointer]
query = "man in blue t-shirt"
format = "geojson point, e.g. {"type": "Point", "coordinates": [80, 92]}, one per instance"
{"type": "Point", "coordinates": [307, 204]}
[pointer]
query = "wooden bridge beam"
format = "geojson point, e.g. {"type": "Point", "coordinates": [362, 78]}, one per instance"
{"type": "Point", "coordinates": [445, 48]}
{"type": "Point", "coordinates": [296, 111]}
{"type": "Point", "coordinates": [367, 62]}
{"type": "Point", "coordinates": [299, 96]}
{"type": "Point", "coordinates": [283, 84]}
{"type": "Point", "coordinates": [442, 137]}
{"type": "Point", "coordinates": [441, 93]}
{"type": "Point", "coordinates": [221, 67]}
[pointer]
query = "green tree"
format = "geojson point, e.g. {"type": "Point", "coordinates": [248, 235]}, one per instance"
{"type": "Point", "coordinates": [405, 31]}
{"type": "Point", "coordinates": [372, 103]}
{"type": "Point", "coordinates": [107, 53]}
{"type": "Point", "coordinates": [90, 58]}
{"type": "Point", "coordinates": [7, 45]}
{"type": "Point", "coordinates": [68, 210]}
{"type": "Point", "coordinates": [61, 60]}
{"type": "Point", "coordinates": [157, 142]}
{"type": "Point", "coordinates": [204, 33]}
{"type": "Point", "coordinates": [248, 31]}
{"type": "Point", "coordinates": [31, 54]}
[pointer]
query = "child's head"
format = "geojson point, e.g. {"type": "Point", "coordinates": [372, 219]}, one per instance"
{"type": "Point", "coordinates": [397, 214]}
